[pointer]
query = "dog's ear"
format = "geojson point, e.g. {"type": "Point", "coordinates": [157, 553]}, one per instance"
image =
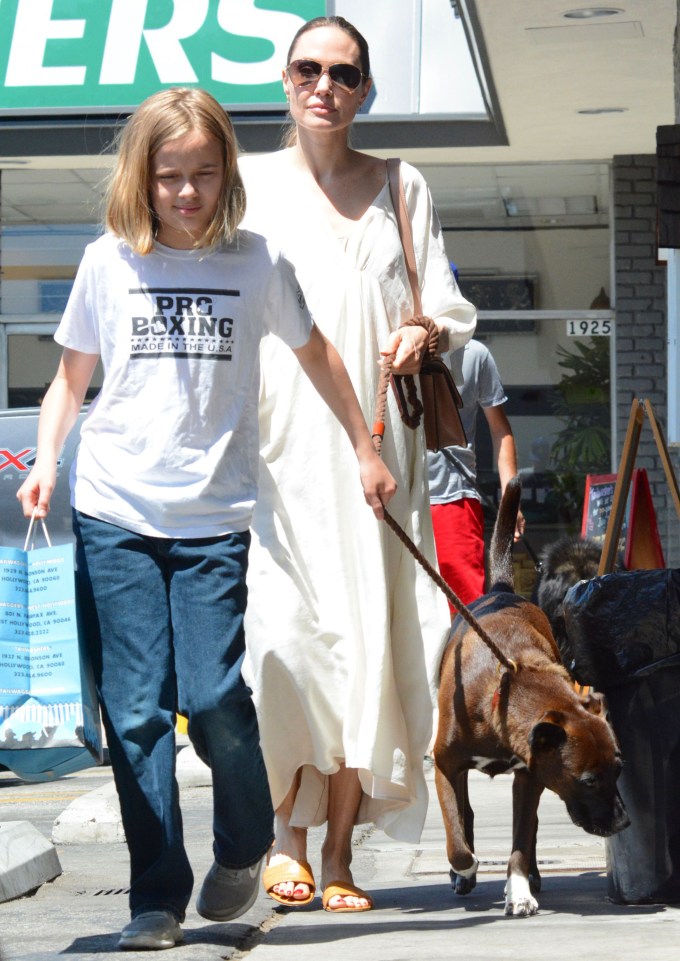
{"type": "Point", "coordinates": [549, 733]}
{"type": "Point", "coordinates": [595, 703]}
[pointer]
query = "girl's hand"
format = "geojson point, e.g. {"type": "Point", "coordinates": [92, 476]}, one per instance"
{"type": "Point", "coordinates": [36, 491]}
{"type": "Point", "coordinates": [379, 485]}
{"type": "Point", "coordinates": [409, 344]}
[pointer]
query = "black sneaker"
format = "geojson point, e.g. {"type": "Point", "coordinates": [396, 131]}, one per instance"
{"type": "Point", "coordinates": [151, 931]}
{"type": "Point", "coordinates": [227, 893]}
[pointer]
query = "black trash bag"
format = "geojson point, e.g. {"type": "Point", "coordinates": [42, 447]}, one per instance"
{"type": "Point", "coordinates": [625, 632]}
{"type": "Point", "coordinates": [643, 861]}
{"type": "Point", "coordinates": [623, 625]}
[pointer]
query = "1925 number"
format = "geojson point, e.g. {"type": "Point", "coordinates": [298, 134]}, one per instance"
{"type": "Point", "coordinates": [589, 328]}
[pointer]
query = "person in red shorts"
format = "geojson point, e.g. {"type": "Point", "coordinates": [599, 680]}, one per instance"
{"type": "Point", "coordinates": [452, 474]}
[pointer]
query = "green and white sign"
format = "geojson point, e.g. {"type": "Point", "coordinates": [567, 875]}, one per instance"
{"type": "Point", "coordinates": [99, 56]}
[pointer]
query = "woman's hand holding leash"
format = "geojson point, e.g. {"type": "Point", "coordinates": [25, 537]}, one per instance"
{"type": "Point", "coordinates": [409, 345]}
{"type": "Point", "coordinates": [379, 485]}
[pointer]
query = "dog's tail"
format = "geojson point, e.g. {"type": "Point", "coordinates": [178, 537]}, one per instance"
{"type": "Point", "coordinates": [501, 577]}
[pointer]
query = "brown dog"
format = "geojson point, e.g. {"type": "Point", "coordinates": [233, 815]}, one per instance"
{"type": "Point", "coordinates": [527, 720]}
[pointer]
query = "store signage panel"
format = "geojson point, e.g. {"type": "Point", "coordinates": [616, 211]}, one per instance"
{"type": "Point", "coordinates": [106, 56]}
{"type": "Point", "coordinates": [72, 56]}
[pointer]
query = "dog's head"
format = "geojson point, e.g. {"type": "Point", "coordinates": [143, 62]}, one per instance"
{"type": "Point", "coordinates": [562, 564]}
{"type": "Point", "coordinates": [577, 757]}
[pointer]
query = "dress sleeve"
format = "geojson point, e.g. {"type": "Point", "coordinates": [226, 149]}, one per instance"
{"type": "Point", "coordinates": [442, 300]}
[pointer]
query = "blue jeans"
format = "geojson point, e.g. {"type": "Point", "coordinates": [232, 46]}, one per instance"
{"type": "Point", "coordinates": [163, 622]}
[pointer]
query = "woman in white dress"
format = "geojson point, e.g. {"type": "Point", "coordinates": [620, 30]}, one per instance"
{"type": "Point", "coordinates": [345, 632]}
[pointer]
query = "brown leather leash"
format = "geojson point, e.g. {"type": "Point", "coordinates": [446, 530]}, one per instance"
{"type": "Point", "coordinates": [377, 433]}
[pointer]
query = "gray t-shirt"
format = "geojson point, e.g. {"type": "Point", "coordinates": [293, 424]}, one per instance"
{"type": "Point", "coordinates": [482, 387]}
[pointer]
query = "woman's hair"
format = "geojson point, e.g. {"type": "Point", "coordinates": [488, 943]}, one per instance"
{"type": "Point", "coordinates": [165, 116]}
{"type": "Point", "coordinates": [290, 132]}
{"type": "Point", "coordinates": [342, 24]}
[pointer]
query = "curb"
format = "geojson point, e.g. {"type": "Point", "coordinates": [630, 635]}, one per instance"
{"type": "Point", "coordinates": [95, 817]}
{"type": "Point", "coordinates": [92, 818]}
{"type": "Point", "coordinates": [27, 859]}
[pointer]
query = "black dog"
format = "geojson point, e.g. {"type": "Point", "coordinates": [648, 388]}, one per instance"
{"type": "Point", "coordinates": [563, 564]}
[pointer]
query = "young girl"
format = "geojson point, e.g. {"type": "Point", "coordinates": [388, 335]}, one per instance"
{"type": "Point", "coordinates": [175, 301]}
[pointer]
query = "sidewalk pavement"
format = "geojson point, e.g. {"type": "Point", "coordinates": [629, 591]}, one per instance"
{"type": "Point", "coordinates": [79, 915]}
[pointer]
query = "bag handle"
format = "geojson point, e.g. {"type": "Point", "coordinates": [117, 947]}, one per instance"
{"type": "Point", "coordinates": [406, 236]}
{"type": "Point", "coordinates": [31, 531]}
{"type": "Point", "coordinates": [405, 230]}
{"type": "Point", "coordinates": [412, 418]}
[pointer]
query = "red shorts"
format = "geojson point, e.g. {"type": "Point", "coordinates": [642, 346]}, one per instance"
{"type": "Point", "coordinates": [459, 539]}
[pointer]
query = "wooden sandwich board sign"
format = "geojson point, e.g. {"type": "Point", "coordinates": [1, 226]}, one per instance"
{"type": "Point", "coordinates": [642, 533]}
{"type": "Point", "coordinates": [639, 542]}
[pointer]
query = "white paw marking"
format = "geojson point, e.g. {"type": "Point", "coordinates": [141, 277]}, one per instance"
{"type": "Point", "coordinates": [519, 901]}
{"type": "Point", "coordinates": [469, 872]}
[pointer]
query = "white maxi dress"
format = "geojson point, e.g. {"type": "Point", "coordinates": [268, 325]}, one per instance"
{"type": "Point", "coordinates": [344, 629]}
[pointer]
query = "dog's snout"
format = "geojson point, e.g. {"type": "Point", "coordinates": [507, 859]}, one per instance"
{"type": "Point", "coordinates": [601, 819]}
{"type": "Point", "coordinates": [621, 819]}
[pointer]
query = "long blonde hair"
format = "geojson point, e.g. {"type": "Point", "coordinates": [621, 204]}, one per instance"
{"type": "Point", "coordinates": [165, 116]}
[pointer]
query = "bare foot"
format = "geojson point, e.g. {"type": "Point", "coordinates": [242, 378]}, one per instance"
{"type": "Point", "coordinates": [290, 890]}
{"type": "Point", "coordinates": [290, 846]}
{"type": "Point", "coordinates": [344, 799]}
{"type": "Point", "coordinates": [336, 872]}
{"type": "Point", "coordinates": [344, 896]}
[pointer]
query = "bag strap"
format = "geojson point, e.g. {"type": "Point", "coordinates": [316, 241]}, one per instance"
{"type": "Point", "coordinates": [31, 531]}
{"type": "Point", "coordinates": [411, 419]}
{"type": "Point", "coordinates": [405, 230]}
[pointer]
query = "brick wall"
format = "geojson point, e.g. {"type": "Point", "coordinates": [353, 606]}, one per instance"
{"type": "Point", "coordinates": [641, 328]}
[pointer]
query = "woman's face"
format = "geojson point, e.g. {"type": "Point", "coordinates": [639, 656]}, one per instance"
{"type": "Point", "coordinates": [321, 103]}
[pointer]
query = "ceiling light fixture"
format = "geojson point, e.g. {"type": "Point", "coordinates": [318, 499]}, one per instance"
{"type": "Point", "coordinates": [596, 110]}
{"type": "Point", "coordinates": [588, 13]}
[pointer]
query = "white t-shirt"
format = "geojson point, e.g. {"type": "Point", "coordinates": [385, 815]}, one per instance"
{"type": "Point", "coordinates": [170, 444]}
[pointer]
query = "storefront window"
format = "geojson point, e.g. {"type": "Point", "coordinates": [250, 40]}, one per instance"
{"type": "Point", "coordinates": [562, 432]}
{"type": "Point", "coordinates": [32, 360]}
{"type": "Point", "coordinates": [534, 257]}
{"type": "Point", "coordinates": [39, 263]}
{"type": "Point", "coordinates": [48, 216]}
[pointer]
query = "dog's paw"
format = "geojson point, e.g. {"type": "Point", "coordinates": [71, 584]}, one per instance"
{"type": "Point", "coordinates": [521, 909]}
{"type": "Point", "coordinates": [519, 901]}
{"type": "Point", "coordinates": [460, 884]}
{"type": "Point", "coordinates": [464, 880]}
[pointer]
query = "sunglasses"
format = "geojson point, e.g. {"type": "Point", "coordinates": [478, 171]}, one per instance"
{"type": "Point", "coordinates": [302, 72]}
